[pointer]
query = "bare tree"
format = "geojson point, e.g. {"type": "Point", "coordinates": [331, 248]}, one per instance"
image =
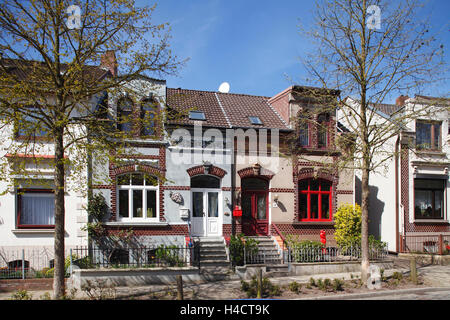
{"type": "Point", "coordinates": [50, 82]}
{"type": "Point", "coordinates": [370, 50]}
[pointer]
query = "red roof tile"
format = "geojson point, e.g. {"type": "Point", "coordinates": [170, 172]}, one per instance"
{"type": "Point", "coordinates": [225, 110]}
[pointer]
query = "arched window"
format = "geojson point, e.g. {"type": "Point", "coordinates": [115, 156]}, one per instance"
{"type": "Point", "coordinates": [149, 118]}
{"type": "Point", "coordinates": [254, 184]}
{"type": "Point", "coordinates": [137, 196]}
{"type": "Point", "coordinates": [205, 181]}
{"type": "Point", "coordinates": [124, 114]}
{"type": "Point", "coordinates": [315, 200]}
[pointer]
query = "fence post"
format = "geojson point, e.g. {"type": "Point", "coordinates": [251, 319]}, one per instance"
{"type": "Point", "coordinates": [23, 264]}
{"type": "Point", "coordinates": [259, 288]}
{"type": "Point", "coordinates": [441, 244]}
{"type": "Point", "coordinates": [413, 268]}
{"type": "Point", "coordinates": [180, 287]}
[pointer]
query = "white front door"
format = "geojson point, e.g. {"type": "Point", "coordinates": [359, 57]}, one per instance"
{"type": "Point", "coordinates": [206, 212]}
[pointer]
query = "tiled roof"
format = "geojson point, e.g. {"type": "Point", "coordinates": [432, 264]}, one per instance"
{"type": "Point", "coordinates": [388, 109]}
{"type": "Point", "coordinates": [27, 70]}
{"type": "Point", "coordinates": [206, 101]}
{"type": "Point", "coordinates": [225, 110]}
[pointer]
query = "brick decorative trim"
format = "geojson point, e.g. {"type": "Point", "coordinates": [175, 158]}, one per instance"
{"type": "Point", "coordinates": [198, 170]}
{"type": "Point", "coordinates": [185, 188]}
{"type": "Point", "coordinates": [344, 191]}
{"type": "Point", "coordinates": [250, 172]}
{"type": "Point", "coordinates": [151, 231]}
{"type": "Point", "coordinates": [282, 190]}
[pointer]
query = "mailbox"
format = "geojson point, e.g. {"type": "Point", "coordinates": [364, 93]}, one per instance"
{"type": "Point", "coordinates": [237, 212]}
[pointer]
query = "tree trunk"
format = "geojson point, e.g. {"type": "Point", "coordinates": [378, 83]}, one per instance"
{"type": "Point", "coordinates": [365, 226]}
{"type": "Point", "coordinates": [58, 279]}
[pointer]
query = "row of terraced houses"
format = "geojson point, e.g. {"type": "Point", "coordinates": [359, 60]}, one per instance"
{"type": "Point", "coordinates": [239, 163]}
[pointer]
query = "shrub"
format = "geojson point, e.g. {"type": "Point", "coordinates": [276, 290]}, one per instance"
{"type": "Point", "coordinates": [21, 295]}
{"type": "Point", "coordinates": [169, 255]}
{"type": "Point", "coordinates": [347, 225]}
{"type": "Point", "coordinates": [294, 286]}
{"type": "Point", "coordinates": [268, 288]}
{"type": "Point", "coordinates": [338, 285]}
{"type": "Point", "coordinates": [239, 244]}
{"type": "Point", "coordinates": [304, 250]}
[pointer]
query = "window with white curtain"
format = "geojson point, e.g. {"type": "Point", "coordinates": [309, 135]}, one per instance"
{"type": "Point", "coordinates": [36, 208]}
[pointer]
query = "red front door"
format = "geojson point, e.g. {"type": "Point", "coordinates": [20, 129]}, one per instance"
{"type": "Point", "coordinates": [255, 213]}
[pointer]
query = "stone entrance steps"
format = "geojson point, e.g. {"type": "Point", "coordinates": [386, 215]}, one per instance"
{"type": "Point", "coordinates": [213, 253]}
{"type": "Point", "coordinates": [267, 252]}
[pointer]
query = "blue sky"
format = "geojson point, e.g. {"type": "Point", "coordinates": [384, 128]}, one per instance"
{"type": "Point", "coordinates": [253, 45]}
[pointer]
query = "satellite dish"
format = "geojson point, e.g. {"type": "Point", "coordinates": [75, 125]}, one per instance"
{"type": "Point", "coordinates": [224, 87]}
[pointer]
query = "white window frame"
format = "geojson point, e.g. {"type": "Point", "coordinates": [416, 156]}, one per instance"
{"type": "Point", "coordinates": [130, 189]}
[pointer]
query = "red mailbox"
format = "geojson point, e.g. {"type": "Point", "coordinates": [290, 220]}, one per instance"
{"type": "Point", "coordinates": [237, 212]}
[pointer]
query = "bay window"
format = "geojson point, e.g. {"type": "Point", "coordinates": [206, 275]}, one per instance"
{"type": "Point", "coordinates": [137, 198]}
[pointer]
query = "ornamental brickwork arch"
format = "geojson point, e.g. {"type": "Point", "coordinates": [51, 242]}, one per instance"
{"type": "Point", "coordinates": [256, 171]}
{"type": "Point", "coordinates": [206, 169]}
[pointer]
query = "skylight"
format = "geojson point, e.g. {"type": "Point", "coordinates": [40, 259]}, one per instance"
{"type": "Point", "coordinates": [255, 120]}
{"type": "Point", "coordinates": [197, 115]}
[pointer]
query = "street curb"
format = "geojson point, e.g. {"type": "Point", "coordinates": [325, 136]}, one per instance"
{"type": "Point", "coordinates": [355, 296]}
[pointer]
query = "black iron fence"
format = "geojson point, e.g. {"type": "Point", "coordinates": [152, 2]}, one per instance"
{"type": "Point", "coordinates": [136, 257]}
{"type": "Point", "coordinates": [332, 254]}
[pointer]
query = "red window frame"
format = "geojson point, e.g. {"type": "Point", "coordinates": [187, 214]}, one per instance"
{"type": "Point", "coordinates": [19, 209]}
{"type": "Point", "coordinates": [308, 192]}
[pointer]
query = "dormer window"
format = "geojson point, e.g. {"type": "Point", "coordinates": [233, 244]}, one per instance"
{"type": "Point", "coordinates": [255, 120]}
{"type": "Point", "coordinates": [428, 135]}
{"type": "Point", "coordinates": [197, 115]}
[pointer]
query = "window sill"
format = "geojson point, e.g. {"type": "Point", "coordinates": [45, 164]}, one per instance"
{"type": "Point", "coordinates": [431, 221]}
{"type": "Point", "coordinates": [136, 224]}
{"type": "Point", "coordinates": [33, 231]}
{"type": "Point", "coordinates": [308, 223]}
{"type": "Point", "coordinates": [430, 152]}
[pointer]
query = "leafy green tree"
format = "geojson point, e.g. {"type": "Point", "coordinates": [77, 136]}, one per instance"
{"type": "Point", "coordinates": [50, 83]}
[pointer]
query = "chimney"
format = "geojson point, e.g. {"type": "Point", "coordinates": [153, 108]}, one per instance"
{"type": "Point", "coordinates": [109, 62]}
{"type": "Point", "coordinates": [400, 101]}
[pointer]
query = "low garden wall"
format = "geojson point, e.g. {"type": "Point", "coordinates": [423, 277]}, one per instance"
{"type": "Point", "coordinates": [427, 258]}
{"type": "Point", "coordinates": [305, 269]}
{"type": "Point", "coordinates": [134, 276]}
{"type": "Point", "coordinates": [311, 268]}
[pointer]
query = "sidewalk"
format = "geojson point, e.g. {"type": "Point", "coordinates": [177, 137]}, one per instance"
{"type": "Point", "coordinates": [433, 277]}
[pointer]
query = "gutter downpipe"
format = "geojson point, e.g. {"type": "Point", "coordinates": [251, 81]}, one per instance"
{"type": "Point", "coordinates": [397, 234]}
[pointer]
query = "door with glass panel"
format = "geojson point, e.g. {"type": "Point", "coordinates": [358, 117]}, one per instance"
{"type": "Point", "coordinates": [206, 212]}
{"type": "Point", "coordinates": [254, 213]}
{"type": "Point", "coordinates": [255, 206]}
